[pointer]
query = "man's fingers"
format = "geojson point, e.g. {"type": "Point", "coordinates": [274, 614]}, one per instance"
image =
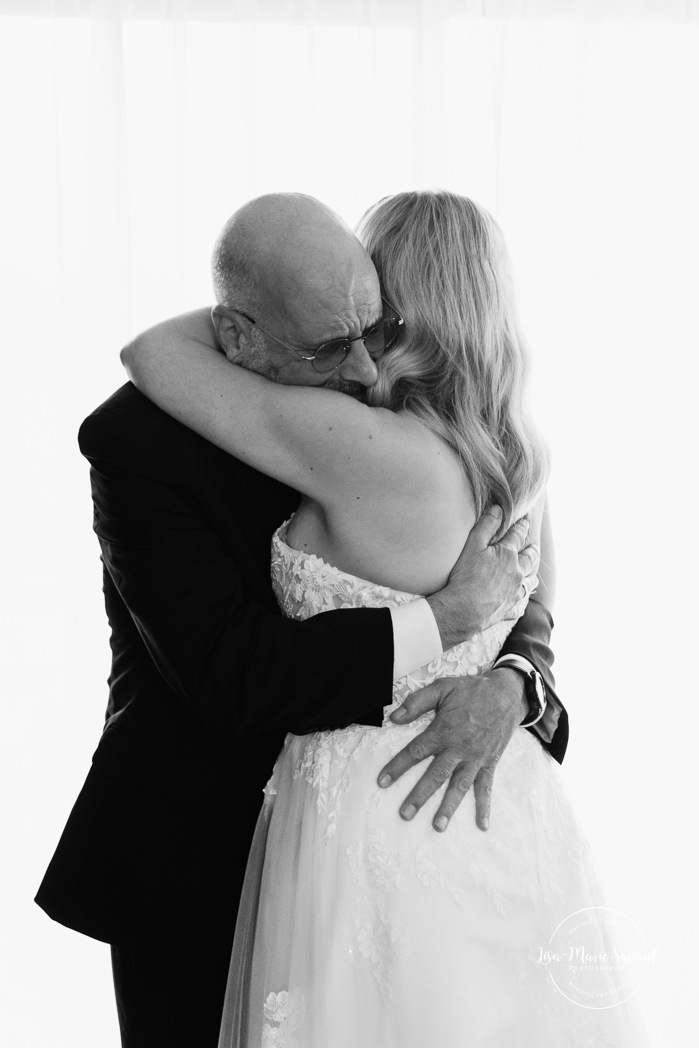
{"type": "Point", "coordinates": [516, 536]}
{"type": "Point", "coordinates": [481, 534]}
{"type": "Point", "coordinates": [461, 781]}
{"type": "Point", "coordinates": [436, 775]}
{"type": "Point", "coordinates": [419, 702]}
{"type": "Point", "coordinates": [483, 788]}
{"type": "Point", "coordinates": [417, 750]}
{"type": "Point", "coordinates": [529, 560]}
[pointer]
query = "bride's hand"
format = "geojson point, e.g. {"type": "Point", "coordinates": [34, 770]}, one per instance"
{"type": "Point", "coordinates": [488, 580]}
{"type": "Point", "coordinates": [475, 720]}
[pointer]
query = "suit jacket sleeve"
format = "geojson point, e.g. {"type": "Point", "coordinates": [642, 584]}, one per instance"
{"type": "Point", "coordinates": [242, 667]}
{"type": "Point", "coordinates": [531, 637]}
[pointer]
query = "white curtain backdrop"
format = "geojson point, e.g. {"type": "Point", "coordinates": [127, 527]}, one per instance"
{"type": "Point", "coordinates": [130, 131]}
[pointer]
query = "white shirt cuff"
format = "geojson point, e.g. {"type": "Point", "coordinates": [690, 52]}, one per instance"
{"type": "Point", "coordinates": [416, 639]}
{"type": "Point", "coordinates": [525, 664]}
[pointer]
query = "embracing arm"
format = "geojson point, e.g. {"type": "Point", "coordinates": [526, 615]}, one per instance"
{"type": "Point", "coordinates": [531, 638]}
{"type": "Point", "coordinates": [216, 638]}
{"type": "Point", "coordinates": [477, 716]}
{"type": "Point", "coordinates": [322, 443]}
{"type": "Point", "coordinates": [213, 636]}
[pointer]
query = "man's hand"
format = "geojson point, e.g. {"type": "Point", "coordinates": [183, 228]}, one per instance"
{"type": "Point", "coordinates": [487, 580]}
{"type": "Point", "coordinates": [475, 720]}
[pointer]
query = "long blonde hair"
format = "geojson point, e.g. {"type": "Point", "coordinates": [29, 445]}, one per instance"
{"type": "Point", "coordinates": [460, 366]}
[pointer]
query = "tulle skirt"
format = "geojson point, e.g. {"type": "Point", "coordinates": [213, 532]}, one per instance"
{"type": "Point", "coordinates": [359, 930]}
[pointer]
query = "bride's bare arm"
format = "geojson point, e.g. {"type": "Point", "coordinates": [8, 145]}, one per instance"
{"type": "Point", "coordinates": [541, 536]}
{"type": "Point", "coordinates": [546, 590]}
{"type": "Point", "coordinates": [319, 441]}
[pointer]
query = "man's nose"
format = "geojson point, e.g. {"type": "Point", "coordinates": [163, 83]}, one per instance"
{"type": "Point", "coordinates": [359, 365]}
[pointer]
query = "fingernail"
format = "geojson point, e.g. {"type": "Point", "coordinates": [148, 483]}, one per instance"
{"type": "Point", "coordinates": [399, 714]}
{"type": "Point", "coordinates": [485, 822]}
{"type": "Point", "coordinates": [440, 823]}
{"type": "Point", "coordinates": [408, 812]}
{"type": "Point", "coordinates": [385, 781]}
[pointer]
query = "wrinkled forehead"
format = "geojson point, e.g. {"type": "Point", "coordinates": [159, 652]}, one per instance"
{"type": "Point", "coordinates": [317, 300]}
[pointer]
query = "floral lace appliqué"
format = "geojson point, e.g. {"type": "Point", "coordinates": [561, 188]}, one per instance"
{"type": "Point", "coordinates": [283, 1014]}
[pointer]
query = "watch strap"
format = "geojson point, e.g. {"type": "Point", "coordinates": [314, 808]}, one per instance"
{"type": "Point", "coordinates": [535, 691]}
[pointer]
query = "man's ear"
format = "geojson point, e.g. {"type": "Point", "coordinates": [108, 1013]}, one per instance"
{"type": "Point", "coordinates": [233, 331]}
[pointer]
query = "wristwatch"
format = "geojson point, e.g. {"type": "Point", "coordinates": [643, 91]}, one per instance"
{"type": "Point", "coordinates": [534, 689]}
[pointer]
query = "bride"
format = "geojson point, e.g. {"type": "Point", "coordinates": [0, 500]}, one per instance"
{"type": "Point", "coordinates": [359, 929]}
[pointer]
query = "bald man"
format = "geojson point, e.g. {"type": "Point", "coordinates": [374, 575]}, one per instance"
{"type": "Point", "coordinates": [207, 676]}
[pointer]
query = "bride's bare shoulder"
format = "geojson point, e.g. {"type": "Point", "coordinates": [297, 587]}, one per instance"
{"type": "Point", "coordinates": [421, 501]}
{"type": "Point", "coordinates": [402, 519]}
{"type": "Point", "coordinates": [431, 461]}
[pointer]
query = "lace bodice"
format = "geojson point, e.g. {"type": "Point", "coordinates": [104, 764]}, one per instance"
{"type": "Point", "coordinates": [305, 585]}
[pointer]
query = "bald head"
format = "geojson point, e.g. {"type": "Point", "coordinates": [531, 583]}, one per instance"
{"type": "Point", "coordinates": [289, 259]}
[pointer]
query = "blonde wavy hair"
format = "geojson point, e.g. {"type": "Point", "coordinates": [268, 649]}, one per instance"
{"type": "Point", "coordinates": [461, 364]}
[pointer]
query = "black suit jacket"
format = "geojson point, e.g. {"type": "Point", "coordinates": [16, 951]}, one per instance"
{"type": "Point", "coordinates": [207, 677]}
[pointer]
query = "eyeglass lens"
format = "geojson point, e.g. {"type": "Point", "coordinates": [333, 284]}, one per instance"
{"type": "Point", "coordinates": [377, 340]}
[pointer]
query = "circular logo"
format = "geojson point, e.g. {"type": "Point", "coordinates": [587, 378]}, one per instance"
{"type": "Point", "coordinates": [597, 957]}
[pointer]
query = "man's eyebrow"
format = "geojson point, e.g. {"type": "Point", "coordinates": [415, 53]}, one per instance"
{"type": "Point", "coordinates": [311, 346]}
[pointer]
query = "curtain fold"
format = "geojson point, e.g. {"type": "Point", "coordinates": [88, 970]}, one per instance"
{"type": "Point", "coordinates": [358, 11]}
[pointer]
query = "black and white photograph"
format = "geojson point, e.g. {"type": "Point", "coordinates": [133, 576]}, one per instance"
{"type": "Point", "coordinates": [349, 555]}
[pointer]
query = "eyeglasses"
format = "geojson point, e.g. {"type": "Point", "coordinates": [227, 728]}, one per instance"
{"type": "Point", "coordinates": [329, 356]}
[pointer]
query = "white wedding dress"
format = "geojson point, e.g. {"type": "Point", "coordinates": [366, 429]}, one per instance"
{"type": "Point", "coordinates": [359, 930]}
